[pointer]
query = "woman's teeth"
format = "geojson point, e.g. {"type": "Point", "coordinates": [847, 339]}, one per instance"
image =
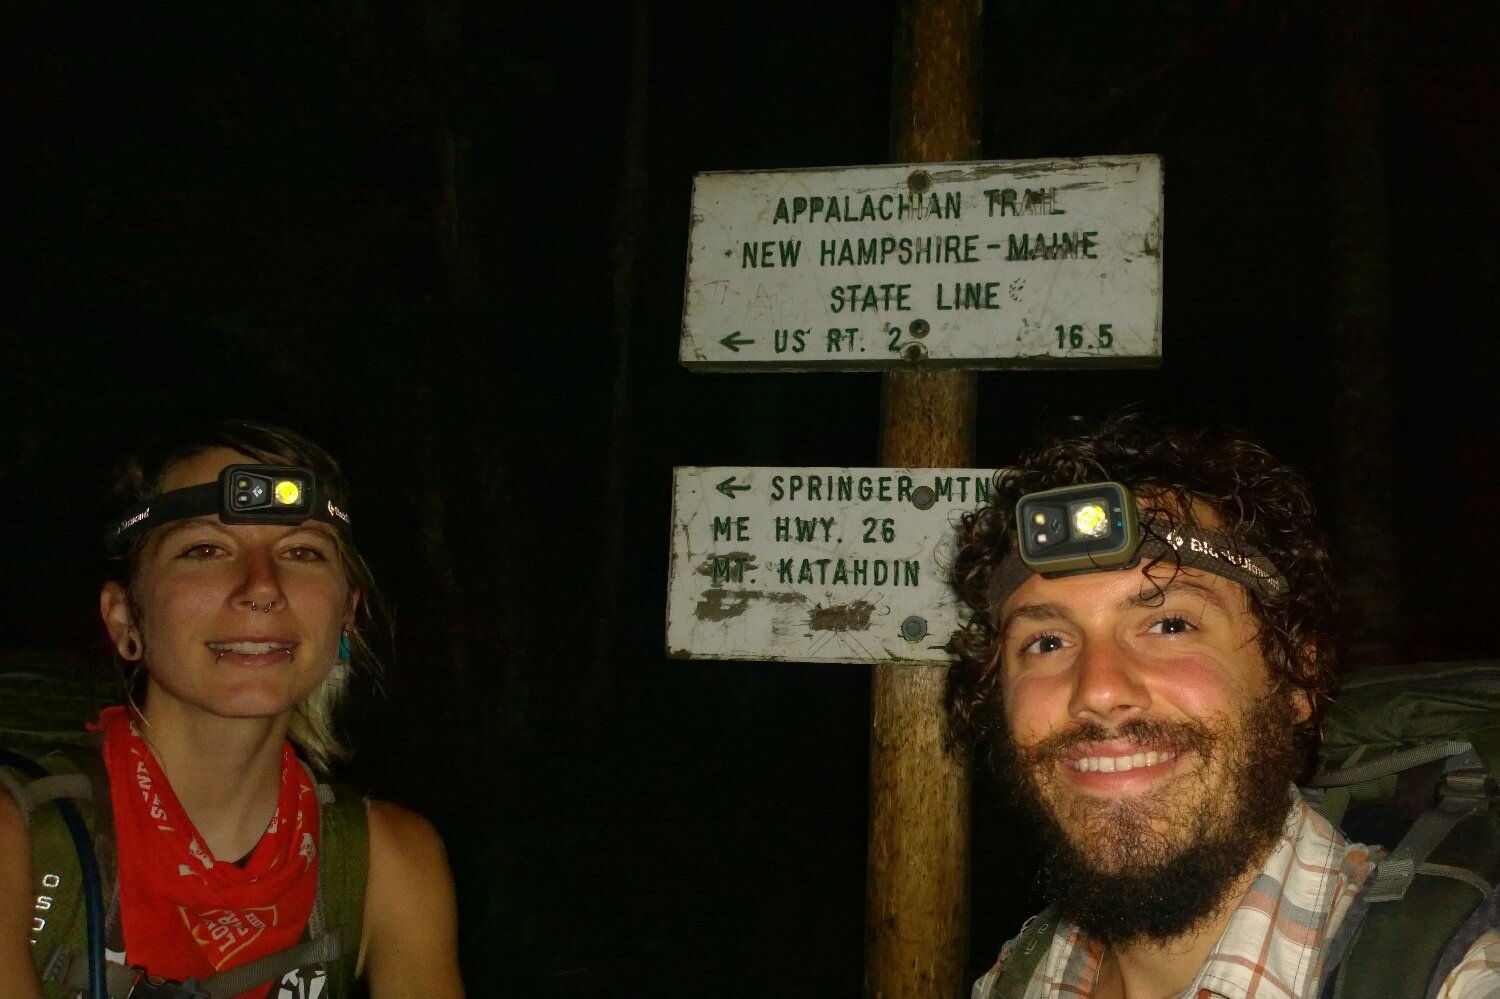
{"type": "Point", "coordinates": [250, 648]}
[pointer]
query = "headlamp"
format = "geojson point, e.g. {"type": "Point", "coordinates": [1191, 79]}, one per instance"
{"type": "Point", "coordinates": [243, 494]}
{"type": "Point", "coordinates": [1078, 528]}
{"type": "Point", "coordinates": [1096, 527]}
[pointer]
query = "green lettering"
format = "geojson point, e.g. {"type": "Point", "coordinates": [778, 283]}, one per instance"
{"type": "Point", "coordinates": [729, 569]}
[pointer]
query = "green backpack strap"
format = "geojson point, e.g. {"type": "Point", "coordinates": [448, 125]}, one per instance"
{"type": "Point", "coordinates": [343, 871]}
{"type": "Point", "coordinates": [1025, 956]}
{"type": "Point", "coordinates": [1431, 897]}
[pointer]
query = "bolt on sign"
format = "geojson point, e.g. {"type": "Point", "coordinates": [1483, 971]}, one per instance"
{"type": "Point", "coordinates": [836, 565]}
{"type": "Point", "coordinates": [1007, 264]}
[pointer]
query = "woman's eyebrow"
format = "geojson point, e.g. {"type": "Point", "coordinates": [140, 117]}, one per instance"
{"type": "Point", "coordinates": [169, 530]}
{"type": "Point", "coordinates": [323, 531]}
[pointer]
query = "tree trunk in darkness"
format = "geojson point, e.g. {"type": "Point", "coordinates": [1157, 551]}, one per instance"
{"type": "Point", "coordinates": [1360, 320]}
{"type": "Point", "coordinates": [629, 219]}
{"type": "Point", "coordinates": [454, 230]}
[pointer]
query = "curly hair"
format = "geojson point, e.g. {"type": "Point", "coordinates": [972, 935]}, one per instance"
{"type": "Point", "coordinates": [1178, 479]}
{"type": "Point", "coordinates": [139, 477]}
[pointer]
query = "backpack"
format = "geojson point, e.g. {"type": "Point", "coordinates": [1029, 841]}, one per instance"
{"type": "Point", "coordinates": [1409, 756]}
{"type": "Point", "coordinates": [1409, 759]}
{"type": "Point", "coordinates": [58, 777]}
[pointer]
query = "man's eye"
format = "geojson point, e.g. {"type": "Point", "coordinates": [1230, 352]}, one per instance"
{"type": "Point", "coordinates": [1042, 644]}
{"type": "Point", "coordinates": [1170, 626]}
{"type": "Point", "coordinates": [304, 553]}
{"type": "Point", "coordinates": [203, 550]}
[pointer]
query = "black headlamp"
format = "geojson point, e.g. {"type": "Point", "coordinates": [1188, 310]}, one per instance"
{"type": "Point", "coordinates": [1096, 527]}
{"type": "Point", "coordinates": [243, 494]}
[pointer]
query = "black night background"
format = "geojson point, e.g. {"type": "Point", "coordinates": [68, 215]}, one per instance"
{"type": "Point", "coordinates": [447, 241]}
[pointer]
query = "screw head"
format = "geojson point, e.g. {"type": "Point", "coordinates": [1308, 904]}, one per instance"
{"type": "Point", "coordinates": [914, 352]}
{"type": "Point", "coordinates": [920, 328]}
{"type": "Point", "coordinates": [923, 497]}
{"type": "Point", "coordinates": [919, 181]}
{"type": "Point", "coordinates": [914, 628]}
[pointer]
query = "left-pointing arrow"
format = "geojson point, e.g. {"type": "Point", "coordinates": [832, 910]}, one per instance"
{"type": "Point", "coordinates": [734, 341]}
{"type": "Point", "coordinates": [728, 488]}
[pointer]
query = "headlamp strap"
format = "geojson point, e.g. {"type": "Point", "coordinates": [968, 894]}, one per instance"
{"type": "Point", "coordinates": [200, 501]}
{"type": "Point", "coordinates": [1193, 547]}
{"type": "Point", "coordinates": [179, 504]}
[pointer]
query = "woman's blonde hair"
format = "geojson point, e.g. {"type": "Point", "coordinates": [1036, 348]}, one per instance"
{"type": "Point", "coordinates": [139, 479]}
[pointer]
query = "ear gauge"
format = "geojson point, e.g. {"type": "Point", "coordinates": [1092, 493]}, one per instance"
{"type": "Point", "coordinates": [132, 651]}
{"type": "Point", "coordinates": [344, 649]}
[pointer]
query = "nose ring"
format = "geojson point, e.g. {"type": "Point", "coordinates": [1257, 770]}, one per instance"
{"type": "Point", "coordinates": [257, 607]}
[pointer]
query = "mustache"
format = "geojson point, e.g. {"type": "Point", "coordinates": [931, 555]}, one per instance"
{"type": "Point", "coordinates": [1177, 737]}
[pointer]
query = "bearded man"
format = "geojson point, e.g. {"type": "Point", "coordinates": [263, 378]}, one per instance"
{"type": "Point", "coordinates": [1152, 712]}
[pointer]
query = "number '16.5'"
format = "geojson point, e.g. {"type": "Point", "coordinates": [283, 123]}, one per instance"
{"type": "Point", "coordinates": [1072, 336]}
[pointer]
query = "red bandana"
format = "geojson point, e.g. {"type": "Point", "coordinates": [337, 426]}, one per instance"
{"type": "Point", "coordinates": [185, 915]}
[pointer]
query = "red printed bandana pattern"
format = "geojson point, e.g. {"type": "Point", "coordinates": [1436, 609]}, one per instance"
{"type": "Point", "coordinates": [184, 914]}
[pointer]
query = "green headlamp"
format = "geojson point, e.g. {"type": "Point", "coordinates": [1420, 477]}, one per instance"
{"type": "Point", "coordinates": [1096, 527]}
{"type": "Point", "coordinates": [1078, 528]}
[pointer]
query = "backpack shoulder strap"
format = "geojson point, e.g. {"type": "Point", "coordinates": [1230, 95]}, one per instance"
{"type": "Point", "coordinates": [343, 869]}
{"type": "Point", "coordinates": [1427, 902]}
{"type": "Point", "coordinates": [1025, 956]}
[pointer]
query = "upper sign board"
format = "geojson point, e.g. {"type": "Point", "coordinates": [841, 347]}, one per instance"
{"type": "Point", "coordinates": [1008, 264]}
{"type": "Point", "coordinates": [816, 565]}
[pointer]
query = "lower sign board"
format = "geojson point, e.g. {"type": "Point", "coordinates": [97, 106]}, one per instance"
{"type": "Point", "coordinates": [817, 565]}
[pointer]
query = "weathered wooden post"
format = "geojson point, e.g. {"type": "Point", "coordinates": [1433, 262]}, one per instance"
{"type": "Point", "coordinates": [917, 888]}
{"type": "Point", "coordinates": [926, 271]}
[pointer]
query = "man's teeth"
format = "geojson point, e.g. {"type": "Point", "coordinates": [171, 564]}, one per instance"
{"type": "Point", "coordinates": [250, 648]}
{"type": "Point", "coordinates": [1119, 764]}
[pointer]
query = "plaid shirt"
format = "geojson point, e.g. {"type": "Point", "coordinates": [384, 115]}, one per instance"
{"type": "Point", "coordinates": [1272, 947]}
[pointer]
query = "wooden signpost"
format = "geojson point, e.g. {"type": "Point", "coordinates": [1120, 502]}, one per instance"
{"type": "Point", "coordinates": [926, 272]}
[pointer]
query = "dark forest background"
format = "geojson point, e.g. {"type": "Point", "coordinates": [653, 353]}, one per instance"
{"type": "Point", "coordinates": [447, 240]}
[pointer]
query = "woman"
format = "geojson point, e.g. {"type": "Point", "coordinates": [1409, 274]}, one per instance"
{"type": "Point", "coordinates": [239, 637]}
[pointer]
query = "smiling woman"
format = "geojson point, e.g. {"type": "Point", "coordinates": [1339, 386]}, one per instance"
{"type": "Point", "coordinates": [239, 609]}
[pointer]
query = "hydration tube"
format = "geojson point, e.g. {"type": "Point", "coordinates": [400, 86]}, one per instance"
{"type": "Point", "coordinates": [88, 865]}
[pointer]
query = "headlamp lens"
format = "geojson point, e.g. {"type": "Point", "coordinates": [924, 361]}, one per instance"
{"type": "Point", "coordinates": [287, 492]}
{"type": "Point", "coordinates": [1090, 520]}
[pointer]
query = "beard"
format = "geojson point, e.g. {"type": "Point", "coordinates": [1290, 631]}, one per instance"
{"type": "Point", "coordinates": [1157, 865]}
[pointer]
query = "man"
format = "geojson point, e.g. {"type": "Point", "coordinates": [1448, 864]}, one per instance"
{"type": "Point", "coordinates": [1153, 714]}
